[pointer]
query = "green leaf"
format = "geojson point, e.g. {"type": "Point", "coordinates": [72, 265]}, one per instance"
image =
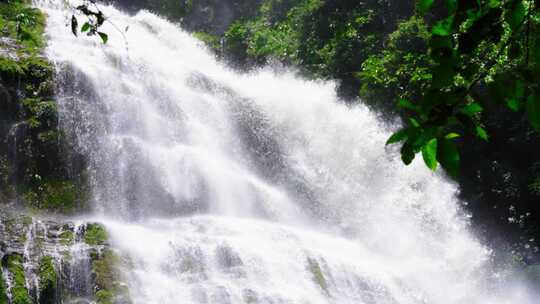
{"type": "Point", "coordinates": [414, 122]}
{"type": "Point", "coordinates": [425, 5]}
{"type": "Point", "coordinates": [513, 104]}
{"type": "Point", "coordinates": [481, 132]}
{"type": "Point", "coordinates": [472, 109]}
{"type": "Point", "coordinates": [74, 25]}
{"type": "Point", "coordinates": [429, 153]}
{"type": "Point", "coordinates": [85, 27]}
{"type": "Point", "coordinates": [448, 157]}
{"type": "Point", "coordinates": [516, 15]}
{"type": "Point", "coordinates": [405, 104]}
{"type": "Point", "coordinates": [104, 37]}
{"type": "Point", "coordinates": [443, 27]}
{"type": "Point", "coordinates": [452, 135]}
{"type": "Point", "coordinates": [533, 110]}
{"type": "Point", "coordinates": [407, 154]}
{"type": "Point", "coordinates": [397, 137]}
{"type": "Point", "coordinates": [422, 138]}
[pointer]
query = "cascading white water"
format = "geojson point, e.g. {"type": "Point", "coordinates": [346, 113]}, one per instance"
{"type": "Point", "coordinates": [262, 188]}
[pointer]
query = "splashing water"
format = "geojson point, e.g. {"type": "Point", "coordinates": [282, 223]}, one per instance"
{"type": "Point", "coordinates": [263, 188]}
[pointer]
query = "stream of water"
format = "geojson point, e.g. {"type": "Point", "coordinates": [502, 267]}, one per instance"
{"type": "Point", "coordinates": [223, 187]}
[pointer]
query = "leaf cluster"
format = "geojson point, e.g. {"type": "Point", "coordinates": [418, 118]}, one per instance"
{"type": "Point", "coordinates": [94, 19]}
{"type": "Point", "coordinates": [483, 53]}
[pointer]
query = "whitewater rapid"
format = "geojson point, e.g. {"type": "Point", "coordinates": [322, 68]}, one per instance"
{"type": "Point", "coordinates": [222, 187]}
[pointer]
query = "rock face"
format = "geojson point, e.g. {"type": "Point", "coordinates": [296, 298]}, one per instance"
{"type": "Point", "coordinates": [48, 262]}
{"type": "Point", "coordinates": [38, 169]}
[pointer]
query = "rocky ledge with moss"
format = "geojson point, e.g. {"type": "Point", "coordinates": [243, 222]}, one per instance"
{"type": "Point", "coordinates": [38, 169]}
{"type": "Point", "coordinates": [50, 261]}
{"type": "Point", "coordinates": [45, 259]}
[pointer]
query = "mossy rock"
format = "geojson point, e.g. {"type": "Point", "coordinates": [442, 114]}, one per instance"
{"type": "Point", "coordinates": [67, 237]}
{"type": "Point", "coordinates": [61, 196]}
{"type": "Point", "coordinates": [10, 69]}
{"type": "Point", "coordinates": [48, 281]}
{"type": "Point", "coordinates": [19, 293]}
{"type": "Point", "coordinates": [95, 234]}
{"type": "Point", "coordinates": [25, 24]}
{"type": "Point", "coordinates": [212, 41]}
{"type": "Point", "coordinates": [109, 290]}
{"type": "Point", "coordinates": [104, 297]}
{"type": "Point", "coordinates": [318, 276]}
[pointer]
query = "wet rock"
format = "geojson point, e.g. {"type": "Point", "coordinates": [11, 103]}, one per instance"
{"type": "Point", "coordinates": [49, 261]}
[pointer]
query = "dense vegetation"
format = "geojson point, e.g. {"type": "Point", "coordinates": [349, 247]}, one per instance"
{"type": "Point", "coordinates": [35, 169]}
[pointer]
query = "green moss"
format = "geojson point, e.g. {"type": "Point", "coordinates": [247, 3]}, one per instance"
{"type": "Point", "coordinates": [48, 281]}
{"type": "Point", "coordinates": [10, 69]}
{"type": "Point", "coordinates": [107, 278]}
{"type": "Point", "coordinates": [95, 234]}
{"type": "Point", "coordinates": [22, 23]}
{"type": "Point", "coordinates": [318, 276]}
{"type": "Point", "coordinates": [104, 297]}
{"type": "Point", "coordinates": [26, 220]}
{"type": "Point", "coordinates": [41, 113]}
{"type": "Point", "coordinates": [212, 41]}
{"type": "Point", "coordinates": [19, 293]}
{"type": "Point", "coordinates": [3, 290]}
{"type": "Point", "coordinates": [43, 186]}
{"type": "Point", "coordinates": [37, 68]}
{"type": "Point", "coordinates": [54, 195]}
{"type": "Point", "coordinates": [66, 237]}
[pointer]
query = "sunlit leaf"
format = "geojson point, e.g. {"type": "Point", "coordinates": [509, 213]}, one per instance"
{"type": "Point", "coordinates": [452, 135]}
{"type": "Point", "coordinates": [481, 133]}
{"type": "Point", "coordinates": [443, 27]}
{"type": "Point", "coordinates": [85, 27]}
{"type": "Point", "coordinates": [472, 109]}
{"type": "Point", "coordinates": [429, 153]}
{"type": "Point", "coordinates": [414, 122]}
{"type": "Point", "coordinates": [397, 137]}
{"type": "Point", "coordinates": [104, 37]}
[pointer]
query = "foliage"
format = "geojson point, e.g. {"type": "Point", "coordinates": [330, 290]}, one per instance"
{"type": "Point", "coordinates": [476, 47]}
{"type": "Point", "coordinates": [94, 19]}
{"type": "Point", "coordinates": [268, 35]}
{"type": "Point", "coordinates": [401, 70]}
{"type": "Point", "coordinates": [325, 39]}
{"type": "Point", "coordinates": [37, 176]}
{"type": "Point", "coordinates": [212, 41]}
{"type": "Point", "coordinates": [108, 286]}
{"type": "Point", "coordinates": [54, 195]}
{"type": "Point", "coordinates": [95, 234]}
{"type": "Point", "coordinates": [22, 23]}
{"type": "Point", "coordinates": [19, 293]}
{"type": "Point", "coordinates": [48, 281]}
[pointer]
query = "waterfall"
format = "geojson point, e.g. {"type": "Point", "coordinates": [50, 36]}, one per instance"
{"type": "Point", "coordinates": [222, 187]}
